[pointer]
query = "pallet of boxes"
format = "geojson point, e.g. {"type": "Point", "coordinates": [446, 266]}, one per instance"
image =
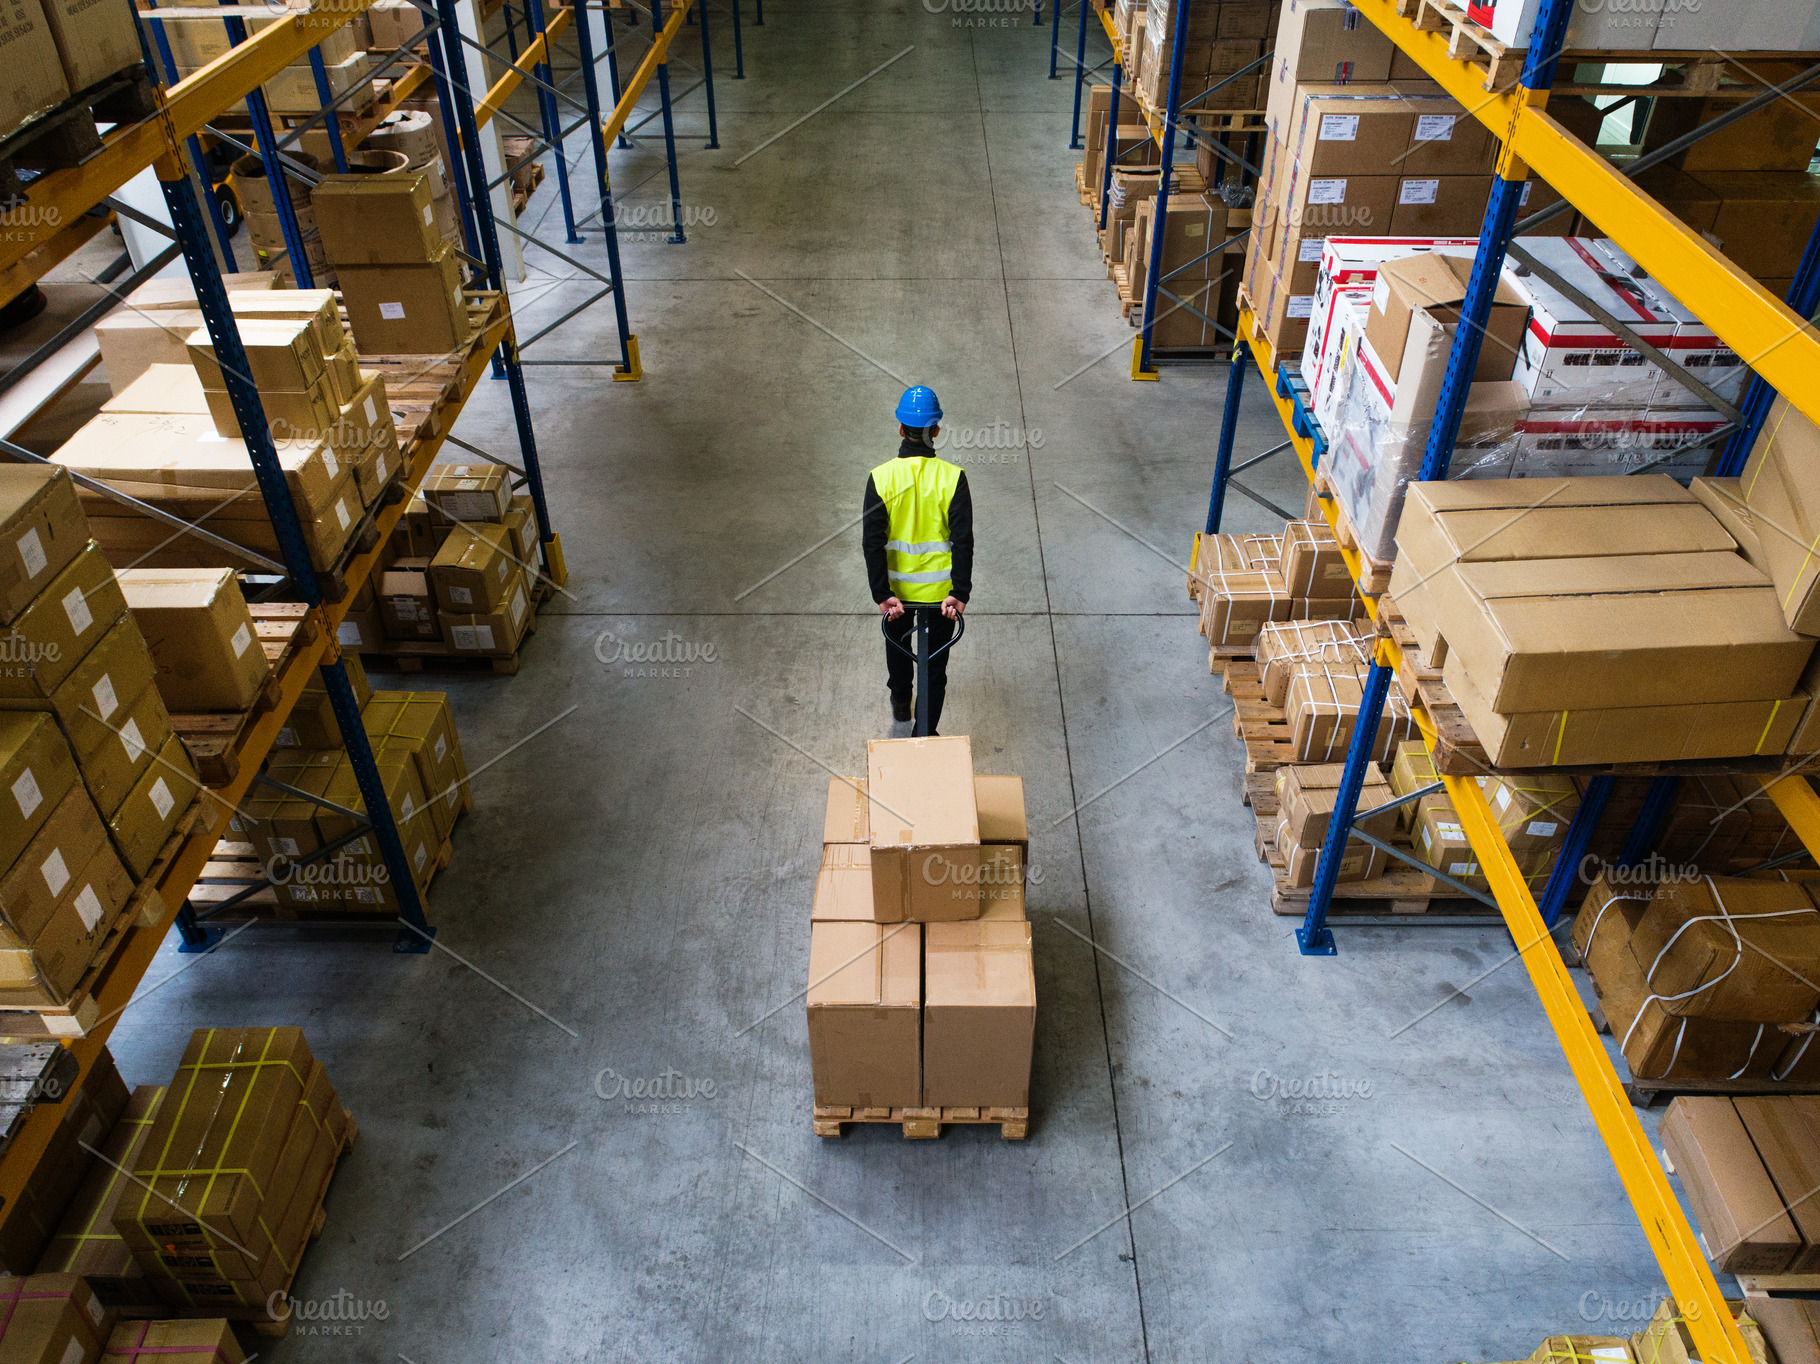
{"type": "Point", "coordinates": [171, 438]}
{"type": "Point", "coordinates": [98, 787]}
{"type": "Point", "coordinates": [1245, 583]}
{"type": "Point", "coordinates": [922, 993]}
{"type": "Point", "coordinates": [187, 1205]}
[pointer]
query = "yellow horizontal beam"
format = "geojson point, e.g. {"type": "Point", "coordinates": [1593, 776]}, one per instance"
{"type": "Point", "coordinates": [656, 57]}
{"type": "Point", "coordinates": [1112, 36]}
{"type": "Point", "coordinates": [1799, 803]}
{"type": "Point", "coordinates": [1780, 346]}
{"type": "Point", "coordinates": [61, 196]}
{"type": "Point", "coordinates": [554, 25]}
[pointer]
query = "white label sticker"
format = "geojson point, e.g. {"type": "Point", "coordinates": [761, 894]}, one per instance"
{"type": "Point", "coordinates": [333, 464]}
{"type": "Point", "coordinates": [56, 874]}
{"type": "Point", "coordinates": [106, 703]}
{"type": "Point", "coordinates": [162, 798]}
{"type": "Point", "coordinates": [423, 854]}
{"type": "Point", "coordinates": [348, 632]}
{"type": "Point", "coordinates": [287, 737]}
{"type": "Point", "coordinates": [31, 549]}
{"type": "Point", "coordinates": [372, 411]}
{"type": "Point", "coordinates": [1419, 192]}
{"type": "Point", "coordinates": [429, 214]}
{"type": "Point", "coordinates": [88, 905]}
{"type": "Point", "coordinates": [1380, 294]}
{"type": "Point", "coordinates": [1523, 198]}
{"type": "Point", "coordinates": [1309, 252]}
{"type": "Point", "coordinates": [468, 484]}
{"type": "Point", "coordinates": [1300, 305]}
{"type": "Point", "coordinates": [1326, 191]}
{"type": "Point", "coordinates": [26, 792]}
{"type": "Point", "coordinates": [410, 807]}
{"type": "Point", "coordinates": [341, 512]}
{"type": "Point", "coordinates": [1462, 868]}
{"type": "Point", "coordinates": [464, 638]}
{"type": "Point", "coordinates": [1434, 127]}
{"type": "Point", "coordinates": [75, 606]}
{"type": "Point", "coordinates": [287, 846]}
{"type": "Point", "coordinates": [500, 572]}
{"type": "Point", "coordinates": [483, 635]}
{"type": "Point", "coordinates": [1541, 828]}
{"type": "Point", "coordinates": [1503, 798]}
{"type": "Point", "coordinates": [461, 596]}
{"type": "Point", "coordinates": [379, 468]}
{"type": "Point", "coordinates": [72, 1353]}
{"type": "Point", "coordinates": [132, 740]}
{"type": "Point", "coordinates": [442, 747]}
{"type": "Point", "coordinates": [1339, 128]}
{"type": "Point", "coordinates": [392, 312]}
{"type": "Point", "coordinates": [242, 638]}
{"type": "Point", "coordinates": [518, 604]}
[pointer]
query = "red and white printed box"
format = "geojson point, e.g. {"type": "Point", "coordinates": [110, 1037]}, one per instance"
{"type": "Point", "coordinates": [1341, 325]}
{"type": "Point", "coordinates": [1571, 443]}
{"type": "Point", "coordinates": [1352, 261]}
{"type": "Point", "coordinates": [1569, 355]}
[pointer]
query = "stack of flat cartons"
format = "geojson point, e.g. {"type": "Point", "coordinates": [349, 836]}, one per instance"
{"type": "Point", "coordinates": [195, 1340]}
{"type": "Point", "coordinates": [1224, 38]}
{"type": "Point", "coordinates": [228, 1181]}
{"type": "Point", "coordinates": [1748, 1167]}
{"type": "Point", "coordinates": [1305, 799]}
{"type": "Point", "coordinates": [1781, 487]}
{"type": "Point", "coordinates": [400, 280]}
{"type": "Point", "coordinates": [921, 990]}
{"type": "Point", "coordinates": [53, 1317]}
{"type": "Point", "coordinates": [1532, 809]}
{"type": "Point", "coordinates": [293, 89]}
{"type": "Point", "coordinates": [1246, 582]}
{"type": "Point", "coordinates": [155, 323]}
{"type": "Point", "coordinates": [96, 776]}
{"type": "Point", "coordinates": [1135, 146]}
{"type": "Point", "coordinates": [1695, 974]}
{"type": "Point", "coordinates": [85, 1241]}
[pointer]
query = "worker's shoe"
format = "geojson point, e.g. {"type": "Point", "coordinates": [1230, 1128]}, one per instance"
{"type": "Point", "coordinates": [902, 709]}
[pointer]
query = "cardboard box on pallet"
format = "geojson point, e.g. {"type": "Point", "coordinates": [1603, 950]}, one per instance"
{"type": "Point", "coordinates": [419, 723]}
{"type": "Point", "coordinates": [85, 1241]}
{"type": "Point", "coordinates": [52, 1319]}
{"type": "Point", "coordinates": [149, 814]}
{"type": "Point", "coordinates": [1747, 1227]}
{"type": "Point", "coordinates": [174, 1342]}
{"type": "Point", "coordinates": [1357, 863]}
{"type": "Point", "coordinates": [312, 719]}
{"type": "Point", "coordinates": [37, 770]}
{"type": "Point", "coordinates": [1658, 1045]}
{"type": "Point", "coordinates": [1435, 284]}
{"type": "Point", "coordinates": [864, 1004]}
{"type": "Point", "coordinates": [1411, 770]}
{"type": "Point", "coordinates": [496, 635]}
{"type": "Point", "coordinates": [201, 636]}
{"type": "Point", "coordinates": [42, 528]}
{"type": "Point", "coordinates": [1779, 486]}
{"type": "Point", "coordinates": [48, 971]}
{"type": "Point", "coordinates": [457, 493]}
{"type": "Point", "coordinates": [407, 309]}
{"type": "Point", "coordinates": [474, 570]}
{"type": "Point", "coordinates": [1306, 794]}
{"type": "Point", "coordinates": [1732, 949]}
{"type": "Point", "coordinates": [377, 219]}
{"type": "Point", "coordinates": [1283, 645]}
{"type": "Point", "coordinates": [979, 1014]}
{"type": "Point", "coordinates": [1532, 809]}
{"type": "Point", "coordinates": [36, 883]}
{"type": "Point", "coordinates": [1236, 604]}
{"type": "Point", "coordinates": [1785, 1129]}
{"type": "Point", "coordinates": [398, 772]}
{"type": "Point", "coordinates": [1312, 563]}
{"type": "Point", "coordinates": [1321, 705]}
{"type": "Point", "coordinates": [925, 834]}
{"type": "Point", "coordinates": [56, 630]}
{"type": "Point", "coordinates": [35, 80]}
{"type": "Point", "coordinates": [88, 1115]}
{"type": "Point", "coordinates": [407, 601]}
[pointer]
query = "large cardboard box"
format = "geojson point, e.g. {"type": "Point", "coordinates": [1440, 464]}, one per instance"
{"type": "Point", "coordinates": [281, 354]}
{"type": "Point", "coordinates": [1439, 205]}
{"type": "Point", "coordinates": [28, 54]}
{"type": "Point", "coordinates": [979, 1021]}
{"type": "Point", "coordinates": [1436, 284]}
{"type": "Point", "coordinates": [95, 38]}
{"type": "Point", "coordinates": [1236, 604]}
{"type": "Point", "coordinates": [1623, 734]}
{"type": "Point", "coordinates": [152, 808]}
{"type": "Point", "coordinates": [1659, 1045]}
{"type": "Point", "coordinates": [846, 820]}
{"type": "Point", "coordinates": [457, 493]}
{"type": "Point", "coordinates": [1532, 809]}
{"type": "Point", "coordinates": [1785, 1129]}
{"type": "Point", "coordinates": [1282, 645]}
{"type": "Point", "coordinates": [377, 219]}
{"type": "Point", "coordinates": [1312, 563]}
{"type": "Point", "coordinates": [58, 628]}
{"type": "Point", "coordinates": [47, 972]}
{"type": "Point", "coordinates": [1001, 809]}
{"type": "Point", "coordinates": [41, 529]}
{"type": "Point", "coordinates": [1321, 704]}
{"type": "Point", "coordinates": [496, 635]}
{"type": "Point", "coordinates": [85, 1241]}
{"type": "Point", "coordinates": [1633, 630]}
{"type": "Point", "coordinates": [37, 772]}
{"type": "Point", "coordinates": [407, 602]}
{"type": "Point", "coordinates": [419, 723]}
{"type": "Point", "coordinates": [206, 1341]}
{"type": "Point", "coordinates": [1741, 1217]}
{"type": "Point", "coordinates": [1412, 769]}
{"type": "Point", "coordinates": [865, 1014]}
{"type": "Point", "coordinates": [91, 699]}
{"type": "Point", "coordinates": [474, 569]}
{"type": "Point", "coordinates": [1608, 915]}
{"type": "Point", "coordinates": [1731, 948]}
{"type": "Point", "coordinates": [113, 757]}
{"type": "Point", "coordinates": [201, 634]}
{"type": "Point", "coordinates": [1324, 42]}
{"type": "Point", "coordinates": [32, 888]}
{"type": "Point", "coordinates": [1782, 488]}
{"type": "Point", "coordinates": [52, 1319]}
{"type": "Point", "coordinates": [925, 833]}
{"type": "Point", "coordinates": [1306, 794]}
{"type": "Point", "coordinates": [406, 309]}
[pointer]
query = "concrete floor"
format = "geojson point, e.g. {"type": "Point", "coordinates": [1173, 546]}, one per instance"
{"type": "Point", "coordinates": [631, 893]}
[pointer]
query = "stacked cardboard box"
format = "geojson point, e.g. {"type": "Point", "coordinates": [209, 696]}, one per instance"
{"type": "Point", "coordinates": [418, 751]}
{"type": "Point", "coordinates": [94, 771]}
{"type": "Point", "coordinates": [1781, 486]}
{"type": "Point", "coordinates": [156, 322]}
{"type": "Point", "coordinates": [1224, 37]}
{"type": "Point", "coordinates": [1696, 975]}
{"type": "Point", "coordinates": [401, 281]}
{"type": "Point", "coordinates": [293, 89]}
{"type": "Point", "coordinates": [1195, 224]}
{"type": "Point", "coordinates": [189, 1341]}
{"type": "Point", "coordinates": [1721, 823]}
{"type": "Point", "coordinates": [1305, 801]}
{"type": "Point", "coordinates": [228, 1180]}
{"type": "Point", "coordinates": [1247, 582]}
{"type": "Point", "coordinates": [85, 1241]}
{"type": "Point", "coordinates": [52, 1317]}
{"type": "Point", "coordinates": [1748, 1168]}
{"type": "Point", "coordinates": [1532, 810]}
{"type": "Point", "coordinates": [204, 645]}
{"type": "Point", "coordinates": [921, 989]}
{"type": "Point", "coordinates": [1598, 620]}
{"type": "Point", "coordinates": [1284, 645]}
{"type": "Point", "coordinates": [88, 1115]}
{"type": "Point", "coordinates": [311, 723]}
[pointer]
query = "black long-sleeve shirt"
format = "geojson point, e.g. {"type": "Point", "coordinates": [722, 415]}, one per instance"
{"type": "Point", "coordinates": [876, 529]}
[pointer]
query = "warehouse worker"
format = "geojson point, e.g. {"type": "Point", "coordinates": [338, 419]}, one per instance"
{"type": "Point", "coordinates": [918, 543]}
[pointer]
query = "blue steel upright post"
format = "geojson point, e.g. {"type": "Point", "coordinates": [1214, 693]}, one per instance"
{"type": "Point", "coordinates": [552, 115]}
{"type": "Point", "coordinates": [663, 95]}
{"type": "Point", "coordinates": [212, 302]}
{"type": "Point", "coordinates": [1640, 842]}
{"type": "Point", "coordinates": [707, 79]}
{"type": "Point", "coordinates": [267, 142]}
{"type": "Point", "coordinates": [590, 84]}
{"type": "Point", "coordinates": [613, 66]}
{"type": "Point", "coordinates": [489, 249]}
{"type": "Point", "coordinates": [1080, 76]}
{"type": "Point", "coordinates": [1141, 366]}
{"type": "Point", "coordinates": [458, 171]}
{"type": "Point", "coordinates": [332, 123]}
{"type": "Point", "coordinates": [739, 47]}
{"type": "Point", "coordinates": [1229, 430]}
{"type": "Point", "coordinates": [1573, 849]}
{"type": "Point", "coordinates": [1055, 28]}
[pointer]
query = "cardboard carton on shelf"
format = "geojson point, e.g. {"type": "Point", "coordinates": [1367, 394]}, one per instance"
{"type": "Point", "coordinates": [407, 601]}
{"type": "Point", "coordinates": [205, 1341]}
{"type": "Point", "coordinates": [37, 772]}
{"type": "Point", "coordinates": [36, 81]}
{"type": "Point", "coordinates": [88, 1115]}
{"type": "Point", "coordinates": [377, 219]}
{"type": "Point", "coordinates": [149, 814]}
{"type": "Point", "coordinates": [1747, 1228]}
{"type": "Point", "coordinates": [1781, 490]}
{"type": "Point", "coordinates": [864, 1004]}
{"type": "Point", "coordinates": [35, 884]}
{"type": "Point", "coordinates": [112, 757]}
{"type": "Point", "coordinates": [48, 970]}
{"type": "Point", "coordinates": [495, 635]}
{"type": "Point", "coordinates": [1358, 861]}
{"type": "Point", "coordinates": [407, 309]}
{"type": "Point", "coordinates": [1658, 1045]}
{"type": "Point", "coordinates": [1321, 704]}
{"type": "Point", "coordinates": [979, 1018]}
{"type": "Point", "coordinates": [1532, 809]}
{"type": "Point", "coordinates": [925, 834]}
{"type": "Point", "coordinates": [201, 636]}
{"type": "Point", "coordinates": [56, 630]}
{"type": "Point", "coordinates": [42, 528]}
{"type": "Point", "coordinates": [1237, 604]}
{"type": "Point", "coordinates": [1785, 1129]}
{"type": "Point", "coordinates": [1732, 949]}
{"type": "Point", "coordinates": [1306, 794]}
{"type": "Point", "coordinates": [1436, 284]}
{"type": "Point", "coordinates": [52, 1317]}
{"type": "Point", "coordinates": [1282, 645]}
{"type": "Point", "coordinates": [474, 570]}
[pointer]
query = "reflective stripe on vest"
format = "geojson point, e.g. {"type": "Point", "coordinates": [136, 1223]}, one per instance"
{"type": "Point", "coordinates": [919, 557]}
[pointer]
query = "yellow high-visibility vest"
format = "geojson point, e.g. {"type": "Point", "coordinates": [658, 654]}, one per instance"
{"type": "Point", "coordinates": [919, 557]}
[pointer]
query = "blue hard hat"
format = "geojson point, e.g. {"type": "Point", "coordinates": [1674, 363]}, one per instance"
{"type": "Point", "coordinates": [919, 407]}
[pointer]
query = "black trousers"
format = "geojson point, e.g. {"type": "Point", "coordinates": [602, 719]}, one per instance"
{"type": "Point", "coordinates": [900, 668]}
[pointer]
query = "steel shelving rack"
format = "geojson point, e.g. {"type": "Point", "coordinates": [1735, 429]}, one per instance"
{"type": "Point", "coordinates": [1776, 339]}
{"type": "Point", "coordinates": [161, 142]}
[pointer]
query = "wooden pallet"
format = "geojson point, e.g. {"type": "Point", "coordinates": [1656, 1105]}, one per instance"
{"type": "Point", "coordinates": [1466, 40]}
{"type": "Point", "coordinates": [1264, 730]}
{"type": "Point", "coordinates": [1221, 657]}
{"type": "Point", "coordinates": [77, 1016]}
{"type": "Point", "coordinates": [234, 867]}
{"type": "Point", "coordinates": [922, 1124]}
{"type": "Point", "coordinates": [434, 656]}
{"type": "Point", "coordinates": [214, 738]}
{"type": "Point", "coordinates": [521, 195]}
{"type": "Point", "coordinates": [68, 135]}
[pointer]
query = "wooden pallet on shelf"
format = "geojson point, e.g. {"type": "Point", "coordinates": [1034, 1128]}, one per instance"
{"type": "Point", "coordinates": [69, 133]}
{"type": "Point", "coordinates": [78, 1015]}
{"type": "Point", "coordinates": [435, 656]}
{"type": "Point", "coordinates": [214, 738]}
{"type": "Point", "coordinates": [1647, 1093]}
{"type": "Point", "coordinates": [1263, 728]}
{"type": "Point", "coordinates": [922, 1124]}
{"type": "Point", "coordinates": [235, 868]}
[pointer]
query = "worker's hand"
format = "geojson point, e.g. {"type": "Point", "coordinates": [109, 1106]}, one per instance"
{"type": "Point", "coordinates": [892, 607]}
{"type": "Point", "coordinates": [952, 607]}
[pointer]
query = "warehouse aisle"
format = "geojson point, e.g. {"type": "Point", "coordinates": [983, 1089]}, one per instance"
{"type": "Point", "coordinates": [614, 1036]}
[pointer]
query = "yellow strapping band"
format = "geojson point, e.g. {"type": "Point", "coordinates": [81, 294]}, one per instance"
{"type": "Point", "coordinates": [1560, 738]}
{"type": "Point", "coordinates": [1763, 737]}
